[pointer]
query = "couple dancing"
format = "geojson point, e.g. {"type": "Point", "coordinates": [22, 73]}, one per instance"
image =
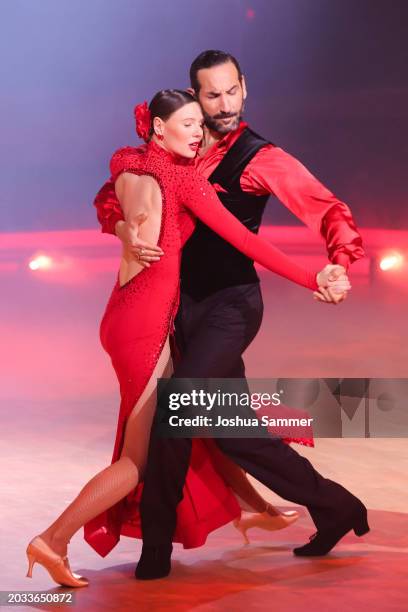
{"type": "Point", "coordinates": [175, 231]}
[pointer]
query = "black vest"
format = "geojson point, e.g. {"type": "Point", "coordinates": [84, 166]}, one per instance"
{"type": "Point", "coordinates": [209, 263]}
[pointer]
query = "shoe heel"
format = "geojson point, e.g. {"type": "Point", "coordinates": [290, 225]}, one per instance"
{"type": "Point", "coordinates": [361, 527]}
{"type": "Point", "coordinates": [242, 530]}
{"type": "Point", "coordinates": [31, 561]}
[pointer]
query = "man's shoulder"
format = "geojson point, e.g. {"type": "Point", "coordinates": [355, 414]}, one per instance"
{"type": "Point", "coordinates": [250, 131]}
{"type": "Point", "coordinates": [246, 131]}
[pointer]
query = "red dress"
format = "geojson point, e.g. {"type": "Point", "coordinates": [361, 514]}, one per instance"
{"type": "Point", "coordinates": [139, 317]}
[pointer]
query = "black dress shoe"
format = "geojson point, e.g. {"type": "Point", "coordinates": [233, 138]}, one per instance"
{"type": "Point", "coordinates": [323, 541]}
{"type": "Point", "coordinates": [155, 562]}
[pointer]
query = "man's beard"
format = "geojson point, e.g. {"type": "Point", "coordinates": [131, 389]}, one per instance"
{"type": "Point", "coordinates": [215, 124]}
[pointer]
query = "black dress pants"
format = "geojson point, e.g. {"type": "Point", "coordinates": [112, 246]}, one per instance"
{"type": "Point", "coordinates": [212, 335]}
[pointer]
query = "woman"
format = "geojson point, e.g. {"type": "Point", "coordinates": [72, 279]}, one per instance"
{"type": "Point", "coordinates": [160, 191]}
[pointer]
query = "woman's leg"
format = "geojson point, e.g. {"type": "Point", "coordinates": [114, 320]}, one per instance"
{"type": "Point", "coordinates": [237, 479]}
{"type": "Point", "coordinates": [116, 481]}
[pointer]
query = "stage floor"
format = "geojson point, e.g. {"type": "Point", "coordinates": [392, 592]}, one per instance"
{"type": "Point", "coordinates": [59, 401]}
{"type": "Point", "coordinates": [45, 471]}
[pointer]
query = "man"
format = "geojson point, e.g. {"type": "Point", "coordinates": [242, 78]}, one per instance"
{"type": "Point", "coordinates": [221, 311]}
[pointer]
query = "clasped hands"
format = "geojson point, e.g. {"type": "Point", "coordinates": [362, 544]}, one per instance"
{"type": "Point", "coordinates": [332, 281]}
{"type": "Point", "coordinates": [333, 285]}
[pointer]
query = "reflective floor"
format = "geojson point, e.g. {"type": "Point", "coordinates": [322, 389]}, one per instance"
{"type": "Point", "coordinates": [45, 471]}
{"type": "Point", "coordinates": [59, 402]}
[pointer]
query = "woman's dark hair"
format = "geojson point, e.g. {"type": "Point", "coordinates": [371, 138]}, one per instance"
{"type": "Point", "coordinates": [166, 102]}
{"type": "Point", "coordinates": [208, 59]}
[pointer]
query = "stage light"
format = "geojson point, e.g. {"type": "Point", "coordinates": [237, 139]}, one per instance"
{"type": "Point", "coordinates": [41, 262]}
{"type": "Point", "coordinates": [391, 261]}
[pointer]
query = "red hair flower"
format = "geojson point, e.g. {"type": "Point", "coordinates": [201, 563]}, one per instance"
{"type": "Point", "coordinates": [143, 119]}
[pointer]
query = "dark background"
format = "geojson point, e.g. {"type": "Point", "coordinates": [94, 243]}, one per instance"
{"type": "Point", "coordinates": [327, 81]}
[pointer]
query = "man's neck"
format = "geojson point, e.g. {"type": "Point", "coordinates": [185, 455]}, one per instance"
{"type": "Point", "coordinates": [210, 137]}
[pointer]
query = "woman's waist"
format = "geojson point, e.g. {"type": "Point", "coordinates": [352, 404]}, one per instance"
{"type": "Point", "coordinates": [133, 267]}
{"type": "Point", "coordinates": [160, 278]}
{"type": "Point", "coordinates": [143, 304]}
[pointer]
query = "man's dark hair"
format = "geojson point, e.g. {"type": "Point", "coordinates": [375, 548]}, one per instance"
{"type": "Point", "coordinates": [208, 59]}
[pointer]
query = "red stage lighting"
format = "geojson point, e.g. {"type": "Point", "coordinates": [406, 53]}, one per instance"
{"type": "Point", "coordinates": [250, 14]}
{"type": "Point", "coordinates": [391, 261]}
{"type": "Point", "coordinates": [40, 262]}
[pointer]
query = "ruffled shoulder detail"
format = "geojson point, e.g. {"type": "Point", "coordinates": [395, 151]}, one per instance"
{"type": "Point", "coordinates": [126, 158]}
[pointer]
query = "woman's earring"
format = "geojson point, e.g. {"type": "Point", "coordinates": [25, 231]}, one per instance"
{"type": "Point", "coordinates": [160, 136]}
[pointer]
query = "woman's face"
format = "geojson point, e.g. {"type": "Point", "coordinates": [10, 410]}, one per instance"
{"type": "Point", "coordinates": [183, 130]}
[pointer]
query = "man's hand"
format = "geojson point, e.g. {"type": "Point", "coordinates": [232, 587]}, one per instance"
{"type": "Point", "coordinates": [333, 285]}
{"type": "Point", "coordinates": [144, 252]}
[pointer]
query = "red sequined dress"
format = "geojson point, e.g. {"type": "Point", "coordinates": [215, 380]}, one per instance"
{"type": "Point", "coordinates": [139, 317]}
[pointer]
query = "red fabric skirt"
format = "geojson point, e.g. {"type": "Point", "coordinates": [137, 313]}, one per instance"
{"type": "Point", "coordinates": [133, 331]}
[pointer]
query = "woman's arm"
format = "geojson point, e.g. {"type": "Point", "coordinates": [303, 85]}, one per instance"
{"type": "Point", "coordinates": [110, 211]}
{"type": "Point", "coordinates": [132, 192]}
{"type": "Point", "coordinates": [108, 208]}
{"type": "Point", "coordinates": [140, 200]}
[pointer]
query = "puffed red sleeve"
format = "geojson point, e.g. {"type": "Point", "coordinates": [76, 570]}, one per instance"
{"type": "Point", "coordinates": [126, 158]}
{"type": "Point", "coordinates": [343, 241]}
{"type": "Point", "coordinates": [199, 197]}
{"type": "Point", "coordinates": [275, 171]}
{"type": "Point", "coordinates": [108, 209]}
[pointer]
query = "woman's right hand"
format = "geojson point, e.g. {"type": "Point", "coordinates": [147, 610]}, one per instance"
{"type": "Point", "coordinates": [144, 252]}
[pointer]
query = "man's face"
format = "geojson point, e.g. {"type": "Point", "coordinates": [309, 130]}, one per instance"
{"type": "Point", "coordinates": [221, 97]}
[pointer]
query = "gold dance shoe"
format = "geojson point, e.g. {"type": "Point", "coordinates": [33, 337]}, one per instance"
{"type": "Point", "coordinates": [58, 567]}
{"type": "Point", "coordinates": [264, 520]}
